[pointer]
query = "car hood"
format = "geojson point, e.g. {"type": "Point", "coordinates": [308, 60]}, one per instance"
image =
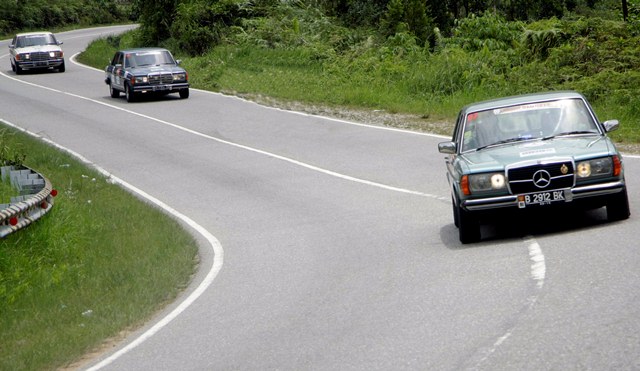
{"type": "Point", "coordinates": [39, 48]}
{"type": "Point", "coordinates": [155, 69]}
{"type": "Point", "coordinates": [576, 147]}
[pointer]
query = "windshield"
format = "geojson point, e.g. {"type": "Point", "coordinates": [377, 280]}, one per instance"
{"type": "Point", "coordinates": [542, 120]}
{"type": "Point", "coordinates": [154, 58]}
{"type": "Point", "coordinates": [33, 40]}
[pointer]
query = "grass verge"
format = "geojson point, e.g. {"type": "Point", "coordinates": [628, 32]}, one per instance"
{"type": "Point", "coordinates": [373, 88]}
{"type": "Point", "coordinates": [99, 262]}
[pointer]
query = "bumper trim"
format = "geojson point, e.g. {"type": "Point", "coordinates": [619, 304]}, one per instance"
{"type": "Point", "coordinates": [160, 87]}
{"type": "Point", "coordinates": [593, 190]}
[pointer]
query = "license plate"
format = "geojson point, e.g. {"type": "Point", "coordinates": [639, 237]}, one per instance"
{"type": "Point", "coordinates": [541, 198]}
{"type": "Point", "coordinates": [160, 88]}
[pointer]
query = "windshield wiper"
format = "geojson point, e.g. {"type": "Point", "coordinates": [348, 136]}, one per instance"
{"type": "Point", "coordinates": [567, 133]}
{"type": "Point", "coordinates": [505, 141]}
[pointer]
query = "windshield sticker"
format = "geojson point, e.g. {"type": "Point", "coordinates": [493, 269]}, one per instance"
{"type": "Point", "coordinates": [529, 107]}
{"type": "Point", "coordinates": [535, 152]}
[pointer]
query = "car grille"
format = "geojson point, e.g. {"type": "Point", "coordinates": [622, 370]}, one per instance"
{"type": "Point", "coordinates": [39, 56]}
{"type": "Point", "coordinates": [160, 78]}
{"type": "Point", "coordinates": [541, 177]}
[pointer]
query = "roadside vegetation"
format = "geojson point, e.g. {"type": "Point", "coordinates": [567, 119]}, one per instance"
{"type": "Point", "coordinates": [100, 262]}
{"type": "Point", "coordinates": [34, 15]}
{"type": "Point", "coordinates": [373, 55]}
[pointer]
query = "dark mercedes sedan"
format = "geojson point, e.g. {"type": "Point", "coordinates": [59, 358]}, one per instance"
{"type": "Point", "coordinates": [135, 72]}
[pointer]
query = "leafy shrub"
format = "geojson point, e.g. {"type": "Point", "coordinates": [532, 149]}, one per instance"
{"type": "Point", "coordinates": [489, 31]}
{"type": "Point", "coordinates": [11, 154]}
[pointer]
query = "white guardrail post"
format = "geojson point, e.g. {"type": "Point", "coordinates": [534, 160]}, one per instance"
{"type": "Point", "coordinates": [35, 199]}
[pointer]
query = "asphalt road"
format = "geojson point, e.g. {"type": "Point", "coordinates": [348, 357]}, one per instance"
{"type": "Point", "coordinates": [334, 242]}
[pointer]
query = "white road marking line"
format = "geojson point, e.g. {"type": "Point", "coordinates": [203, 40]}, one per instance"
{"type": "Point", "coordinates": [247, 148]}
{"type": "Point", "coordinates": [538, 267]}
{"type": "Point", "coordinates": [537, 274]}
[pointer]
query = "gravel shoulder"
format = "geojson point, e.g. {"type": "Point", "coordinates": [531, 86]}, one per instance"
{"type": "Point", "coordinates": [384, 118]}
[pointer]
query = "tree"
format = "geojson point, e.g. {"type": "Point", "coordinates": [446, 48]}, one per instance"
{"type": "Point", "coordinates": [156, 18]}
{"type": "Point", "coordinates": [408, 16]}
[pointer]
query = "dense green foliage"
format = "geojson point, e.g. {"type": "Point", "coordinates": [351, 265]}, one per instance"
{"type": "Point", "coordinates": [51, 14]}
{"type": "Point", "coordinates": [403, 56]}
{"type": "Point", "coordinates": [98, 262]}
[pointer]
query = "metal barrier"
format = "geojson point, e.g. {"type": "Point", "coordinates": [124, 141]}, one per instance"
{"type": "Point", "coordinates": [35, 199]}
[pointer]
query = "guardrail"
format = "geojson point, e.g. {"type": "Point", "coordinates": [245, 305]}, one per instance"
{"type": "Point", "coordinates": [34, 200]}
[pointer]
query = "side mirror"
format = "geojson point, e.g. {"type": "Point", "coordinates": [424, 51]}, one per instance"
{"type": "Point", "coordinates": [611, 125]}
{"type": "Point", "coordinates": [11, 46]}
{"type": "Point", "coordinates": [447, 147]}
{"type": "Point", "coordinates": [178, 61]}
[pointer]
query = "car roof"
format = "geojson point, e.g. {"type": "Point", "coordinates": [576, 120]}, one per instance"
{"type": "Point", "coordinates": [34, 33]}
{"type": "Point", "coordinates": [521, 99]}
{"type": "Point", "coordinates": [138, 50]}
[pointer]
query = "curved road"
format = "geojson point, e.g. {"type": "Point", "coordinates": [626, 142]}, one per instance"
{"type": "Point", "coordinates": [338, 242]}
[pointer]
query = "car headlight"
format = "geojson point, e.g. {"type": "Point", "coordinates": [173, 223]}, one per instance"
{"type": "Point", "coordinates": [140, 79]}
{"type": "Point", "coordinates": [475, 183]}
{"type": "Point", "coordinates": [55, 54]}
{"type": "Point", "coordinates": [179, 76]}
{"type": "Point", "coordinates": [593, 168]}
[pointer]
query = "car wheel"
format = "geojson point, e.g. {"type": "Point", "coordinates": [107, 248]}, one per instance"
{"type": "Point", "coordinates": [456, 213]}
{"type": "Point", "coordinates": [184, 93]}
{"type": "Point", "coordinates": [128, 93]}
{"type": "Point", "coordinates": [618, 207]}
{"type": "Point", "coordinates": [61, 68]}
{"type": "Point", "coordinates": [18, 70]}
{"type": "Point", "coordinates": [13, 67]}
{"type": "Point", "coordinates": [115, 93]}
{"type": "Point", "coordinates": [469, 226]}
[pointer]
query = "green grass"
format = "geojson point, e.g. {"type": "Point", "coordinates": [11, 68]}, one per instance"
{"type": "Point", "coordinates": [395, 79]}
{"type": "Point", "coordinates": [99, 262]}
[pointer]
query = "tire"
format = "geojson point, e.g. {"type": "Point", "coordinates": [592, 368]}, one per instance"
{"type": "Point", "coordinates": [115, 93]}
{"type": "Point", "coordinates": [62, 68]}
{"type": "Point", "coordinates": [469, 226]}
{"type": "Point", "coordinates": [618, 207]}
{"type": "Point", "coordinates": [184, 93]}
{"type": "Point", "coordinates": [456, 213]}
{"type": "Point", "coordinates": [128, 93]}
{"type": "Point", "coordinates": [18, 70]}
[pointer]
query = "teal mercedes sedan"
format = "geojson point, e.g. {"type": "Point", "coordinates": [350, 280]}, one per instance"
{"type": "Point", "coordinates": [537, 151]}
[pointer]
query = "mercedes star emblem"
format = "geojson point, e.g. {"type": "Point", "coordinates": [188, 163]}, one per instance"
{"type": "Point", "coordinates": [541, 178]}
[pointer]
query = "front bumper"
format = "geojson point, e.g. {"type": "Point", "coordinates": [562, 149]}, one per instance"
{"type": "Point", "coordinates": [50, 63]}
{"type": "Point", "coordinates": [160, 88]}
{"type": "Point", "coordinates": [582, 193]}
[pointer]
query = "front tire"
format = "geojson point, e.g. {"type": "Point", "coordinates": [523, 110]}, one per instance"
{"type": "Point", "coordinates": [618, 207]}
{"type": "Point", "coordinates": [469, 226]}
{"type": "Point", "coordinates": [184, 93]}
{"type": "Point", "coordinates": [129, 93]}
{"type": "Point", "coordinates": [456, 213]}
{"type": "Point", "coordinates": [115, 93]}
{"type": "Point", "coordinates": [62, 68]}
